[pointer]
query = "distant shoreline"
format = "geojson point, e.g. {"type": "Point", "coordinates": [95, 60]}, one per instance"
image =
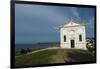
{"type": "Point", "coordinates": [18, 47]}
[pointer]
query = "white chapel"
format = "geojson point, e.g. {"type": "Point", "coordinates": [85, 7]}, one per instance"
{"type": "Point", "coordinates": [72, 35]}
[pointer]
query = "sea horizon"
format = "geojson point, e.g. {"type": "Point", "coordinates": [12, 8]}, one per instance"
{"type": "Point", "coordinates": [20, 46]}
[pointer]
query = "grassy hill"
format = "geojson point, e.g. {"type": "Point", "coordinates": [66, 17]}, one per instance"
{"type": "Point", "coordinates": [54, 56]}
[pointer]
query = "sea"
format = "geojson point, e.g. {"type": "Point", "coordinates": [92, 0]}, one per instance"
{"type": "Point", "coordinates": [18, 47]}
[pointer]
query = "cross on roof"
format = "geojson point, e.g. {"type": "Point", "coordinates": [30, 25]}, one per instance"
{"type": "Point", "coordinates": [71, 19]}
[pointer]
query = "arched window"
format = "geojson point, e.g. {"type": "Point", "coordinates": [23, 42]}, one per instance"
{"type": "Point", "coordinates": [80, 37]}
{"type": "Point", "coordinates": [64, 38]}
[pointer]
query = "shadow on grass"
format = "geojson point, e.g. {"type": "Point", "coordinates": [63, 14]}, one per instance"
{"type": "Point", "coordinates": [79, 56]}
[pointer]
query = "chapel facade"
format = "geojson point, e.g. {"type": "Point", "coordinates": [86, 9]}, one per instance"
{"type": "Point", "coordinates": [73, 35]}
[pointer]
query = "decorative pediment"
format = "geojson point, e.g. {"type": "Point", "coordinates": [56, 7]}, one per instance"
{"type": "Point", "coordinates": [72, 23]}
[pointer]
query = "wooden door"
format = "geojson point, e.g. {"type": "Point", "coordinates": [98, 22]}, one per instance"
{"type": "Point", "coordinates": [72, 43]}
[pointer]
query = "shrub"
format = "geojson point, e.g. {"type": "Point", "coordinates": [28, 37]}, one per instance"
{"type": "Point", "coordinates": [28, 50]}
{"type": "Point", "coordinates": [23, 51]}
{"type": "Point", "coordinates": [90, 48]}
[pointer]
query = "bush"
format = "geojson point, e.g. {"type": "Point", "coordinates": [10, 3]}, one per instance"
{"type": "Point", "coordinates": [28, 50]}
{"type": "Point", "coordinates": [23, 51]}
{"type": "Point", "coordinates": [90, 48]}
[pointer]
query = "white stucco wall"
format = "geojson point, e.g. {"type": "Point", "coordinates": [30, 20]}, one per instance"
{"type": "Point", "coordinates": [66, 30]}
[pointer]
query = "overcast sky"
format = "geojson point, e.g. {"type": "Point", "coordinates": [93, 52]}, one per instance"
{"type": "Point", "coordinates": [40, 23]}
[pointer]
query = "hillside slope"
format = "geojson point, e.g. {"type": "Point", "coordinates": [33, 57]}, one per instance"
{"type": "Point", "coordinates": [54, 56]}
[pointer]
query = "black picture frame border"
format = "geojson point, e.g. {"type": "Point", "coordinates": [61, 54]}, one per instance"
{"type": "Point", "coordinates": [12, 31]}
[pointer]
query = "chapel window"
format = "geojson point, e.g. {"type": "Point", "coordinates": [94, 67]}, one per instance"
{"type": "Point", "coordinates": [80, 37]}
{"type": "Point", "coordinates": [64, 38]}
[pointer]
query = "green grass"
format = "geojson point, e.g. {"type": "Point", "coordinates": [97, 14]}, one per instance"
{"type": "Point", "coordinates": [55, 56]}
{"type": "Point", "coordinates": [36, 58]}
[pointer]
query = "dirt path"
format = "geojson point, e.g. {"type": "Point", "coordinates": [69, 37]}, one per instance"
{"type": "Point", "coordinates": [58, 58]}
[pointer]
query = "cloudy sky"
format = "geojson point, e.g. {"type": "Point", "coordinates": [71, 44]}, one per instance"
{"type": "Point", "coordinates": [40, 23]}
